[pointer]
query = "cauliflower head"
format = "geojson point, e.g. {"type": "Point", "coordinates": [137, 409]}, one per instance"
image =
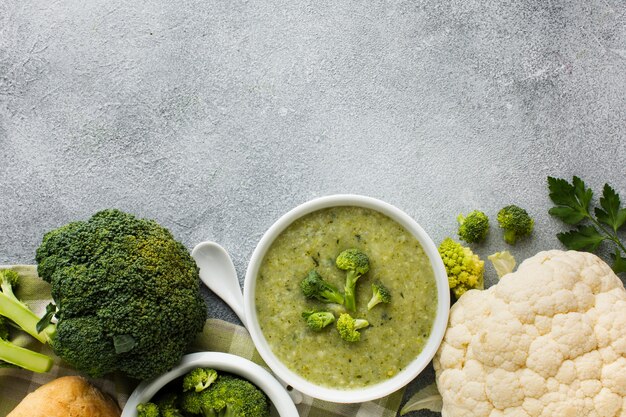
{"type": "Point", "coordinates": [548, 340]}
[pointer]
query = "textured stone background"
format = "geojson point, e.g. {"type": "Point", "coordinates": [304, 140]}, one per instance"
{"type": "Point", "coordinates": [216, 117]}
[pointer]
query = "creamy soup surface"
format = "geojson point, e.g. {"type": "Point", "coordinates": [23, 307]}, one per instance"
{"type": "Point", "coordinates": [397, 331]}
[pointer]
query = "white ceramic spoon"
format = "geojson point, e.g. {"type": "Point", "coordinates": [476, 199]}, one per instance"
{"type": "Point", "coordinates": [218, 273]}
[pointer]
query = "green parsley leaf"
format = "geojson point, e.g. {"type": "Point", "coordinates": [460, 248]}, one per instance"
{"type": "Point", "coordinates": [611, 214]}
{"type": "Point", "coordinates": [572, 200]}
{"type": "Point", "coordinates": [619, 262]}
{"type": "Point", "coordinates": [585, 238]}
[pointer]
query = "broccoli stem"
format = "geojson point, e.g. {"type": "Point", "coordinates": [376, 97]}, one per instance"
{"type": "Point", "coordinates": [20, 314]}
{"type": "Point", "coordinates": [349, 290]}
{"type": "Point", "coordinates": [24, 358]}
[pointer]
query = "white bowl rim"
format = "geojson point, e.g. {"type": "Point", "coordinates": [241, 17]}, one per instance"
{"type": "Point", "coordinates": [219, 361]}
{"type": "Point", "coordinates": [359, 394]}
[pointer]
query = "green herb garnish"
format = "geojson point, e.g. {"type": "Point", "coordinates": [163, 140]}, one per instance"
{"type": "Point", "coordinates": [595, 226]}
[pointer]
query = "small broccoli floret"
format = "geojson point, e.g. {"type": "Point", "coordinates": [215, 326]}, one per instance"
{"type": "Point", "coordinates": [168, 405]}
{"type": "Point", "coordinates": [199, 379]}
{"type": "Point", "coordinates": [516, 223]}
{"type": "Point", "coordinates": [356, 264]}
{"type": "Point", "coordinates": [380, 294]}
{"type": "Point", "coordinates": [314, 286]}
{"type": "Point", "coordinates": [347, 327]}
{"type": "Point", "coordinates": [148, 410]}
{"type": "Point", "coordinates": [317, 320]}
{"type": "Point", "coordinates": [228, 396]}
{"type": "Point", "coordinates": [474, 227]}
{"type": "Point", "coordinates": [464, 268]}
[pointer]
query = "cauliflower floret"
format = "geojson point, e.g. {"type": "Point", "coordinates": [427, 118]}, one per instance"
{"type": "Point", "coordinates": [548, 340]}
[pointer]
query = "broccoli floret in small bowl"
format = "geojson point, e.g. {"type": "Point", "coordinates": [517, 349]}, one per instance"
{"type": "Point", "coordinates": [237, 388]}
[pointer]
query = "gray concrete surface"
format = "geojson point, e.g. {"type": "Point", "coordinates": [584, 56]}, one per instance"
{"type": "Point", "coordinates": [215, 117]}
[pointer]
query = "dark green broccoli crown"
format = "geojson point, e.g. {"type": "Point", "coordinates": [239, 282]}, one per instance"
{"type": "Point", "coordinates": [516, 223]}
{"type": "Point", "coordinates": [168, 405]}
{"type": "Point", "coordinates": [314, 286]}
{"type": "Point", "coordinates": [199, 379]}
{"type": "Point", "coordinates": [317, 320]}
{"type": "Point", "coordinates": [126, 279]}
{"type": "Point", "coordinates": [474, 227]}
{"type": "Point", "coordinates": [191, 402]}
{"type": "Point", "coordinates": [147, 410]}
{"type": "Point", "coordinates": [353, 260]}
{"type": "Point", "coordinates": [227, 396]}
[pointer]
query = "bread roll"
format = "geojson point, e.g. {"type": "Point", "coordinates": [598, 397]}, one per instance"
{"type": "Point", "coordinates": [68, 396]}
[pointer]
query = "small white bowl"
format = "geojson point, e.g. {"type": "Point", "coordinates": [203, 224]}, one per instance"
{"type": "Point", "coordinates": [219, 361]}
{"type": "Point", "coordinates": [359, 394]}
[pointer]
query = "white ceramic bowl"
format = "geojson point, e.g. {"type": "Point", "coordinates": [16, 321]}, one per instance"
{"type": "Point", "coordinates": [219, 361]}
{"type": "Point", "coordinates": [360, 394]}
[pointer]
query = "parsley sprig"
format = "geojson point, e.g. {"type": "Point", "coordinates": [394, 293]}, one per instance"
{"type": "Point", "coordinates": [573, 207]}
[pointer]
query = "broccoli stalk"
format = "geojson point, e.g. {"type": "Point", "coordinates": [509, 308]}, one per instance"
{"type": "Point", "coordinates": [516, 223]}
{"type": "Point", "coordinates": [356, 264]}
{"type": "Point", "coordinates": [15, 355]}
{"type": "Point", "coordinates": [380, 294]}
{"type": "Point", "coordinates": [317, 320]}
{"type": "Point", "coordinates": [17, 311]}
{"type": "Point", "coordinates": [348, 327]}
{"type": "Point", "coordinates": [13, 309]}
{"type": "Point", "coordinates": [314, 286]}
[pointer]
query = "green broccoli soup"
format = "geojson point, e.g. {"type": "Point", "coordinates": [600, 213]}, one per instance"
{"type": "Point", "coordinates": [397, 330]}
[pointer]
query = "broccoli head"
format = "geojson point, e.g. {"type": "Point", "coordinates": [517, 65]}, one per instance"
{"type": "Point", "coordinates": [317, 320]}
{"type": "Point", "coordinates": [464, 268]}
{"type": "Point", "coordinates": [168, 405]}
{"type": "Point", "coordinates": [474, 227]}
{"type": "Point", "coordinates": [148, 410]}
{"type": "Point", "coordinates": [516, 223]}
{"type": "Point", "coordinates": [314, 286]}
{"type": "Point", "coordinates": [348, 327]}
{"type": "Point", "coordinates": [199, 379]}
{"type": "Point", "coordinates": [228, 396]}
{"type": "Point", "coordinates": [356, 264]}
{"type": "Point", "coordinates": [127, 295]}
{"type": "Point", "coordinates": [380, 294]}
